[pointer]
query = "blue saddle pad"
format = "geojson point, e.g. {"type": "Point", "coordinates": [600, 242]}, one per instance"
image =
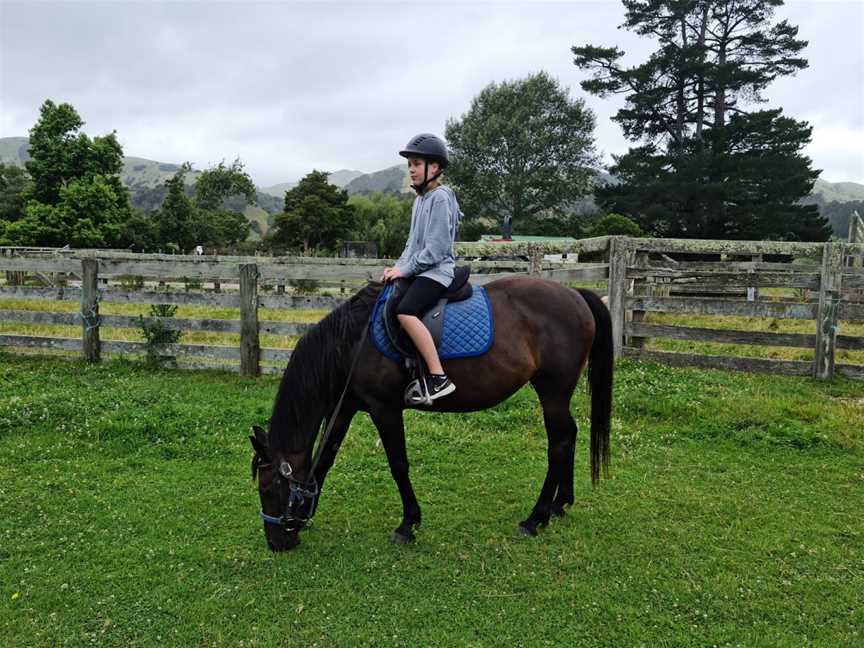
{"type": "Point", "coordinates": [468, 327]}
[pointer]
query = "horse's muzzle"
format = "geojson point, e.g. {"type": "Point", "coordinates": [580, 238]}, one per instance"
{"type": "Point", "coordinates": [291, 541]}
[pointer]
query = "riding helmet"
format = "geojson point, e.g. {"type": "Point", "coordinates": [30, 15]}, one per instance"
{"type": "Point", "coordinates": [427, 146]}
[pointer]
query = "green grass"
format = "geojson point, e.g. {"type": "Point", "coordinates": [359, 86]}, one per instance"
{"type": "Point", "coordinates": [762, 324]}
{"type": "Point", "coordinates": [135, 334]}
{"type": "Point", "coordinates": [733, 517]}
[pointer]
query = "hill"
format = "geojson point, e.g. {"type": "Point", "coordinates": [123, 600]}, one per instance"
{"type": "Point", "coordinates": [339, 178]}
{"type": "Point", "coordinates": [14, 150]}
{"type": "Point", "coordinates": [392, 180]}
{"type": "Point", "coordinates": [837, 191]}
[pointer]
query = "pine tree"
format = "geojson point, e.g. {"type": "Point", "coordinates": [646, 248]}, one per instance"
{"type": "Point", "coordinates": [704, 166]}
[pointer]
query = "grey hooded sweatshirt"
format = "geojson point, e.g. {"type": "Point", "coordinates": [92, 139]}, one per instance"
{"type": "Point", "coordinates": [435, 219]}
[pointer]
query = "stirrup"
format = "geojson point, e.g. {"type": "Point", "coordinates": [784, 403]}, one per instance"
{"type": "Point", "coordinates": [417, 393]}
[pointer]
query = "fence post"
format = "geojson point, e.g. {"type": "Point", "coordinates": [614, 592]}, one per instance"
{"type": "Point", "coordinates": [753, 291]}
{"type": "Point", "coordinates": [829, 305]}
{"type": "Point", "coordinates": [90, 309]}
{"type": "Point", "coordinates": [856, 235]}
{"type": "Point", "coordinates": [618, 250]}
{"type": "Point", "coordinates": [641, 288]}
{"type": "Point", "coordinates": [250, 347]}
{"type": "Point", "coordinates": [535, 259]}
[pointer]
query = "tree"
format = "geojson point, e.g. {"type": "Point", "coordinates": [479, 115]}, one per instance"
{"type": "Point", "coordinates": [183, 221]}
{"type": "Point", "coordinates": [76, 195]}
{"type": "Point", "coordinates": [176, 222]}
{"type": "Point", "coordinates": [612, 224]}
{"type": "Point", "coordinates": [221, 182]}
{"type": "Point", "coordinates": [317, 215]}
{"type": "Point", "coordinates": [13, 183]}
{"type": "Point", "coordinates": [523, 148]}
{"type": "Point", "coordinates": [704, 166]}
{"type": "Point", "coordinates": [219, 225]}
{"type": "Point", "coordinates": [382, 219]}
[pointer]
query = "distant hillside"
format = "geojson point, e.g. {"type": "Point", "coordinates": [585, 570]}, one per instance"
{"type": "Point", "coordinates": [339, 178]}
{"type": "Point", "coordinates": [278, 190]}
{"type": "Point", "coordinates": [392, 180]}
{"type": "Point", "coordinates": [14, 150]}
{"type": "Point", "coordinates": [342, 177]}
{"type": "Point", "coordinates": [139, 173]}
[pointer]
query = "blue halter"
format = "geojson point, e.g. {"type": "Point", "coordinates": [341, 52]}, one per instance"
{"type": "Point", "coordinates": [297, 495]}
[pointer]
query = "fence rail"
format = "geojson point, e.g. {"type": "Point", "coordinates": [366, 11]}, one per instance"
{"type": "Point", "coordinates": [643, 277]}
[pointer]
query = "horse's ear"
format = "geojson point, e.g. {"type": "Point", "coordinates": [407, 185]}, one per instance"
{"type": "Point", "coordinates": [260, 443]}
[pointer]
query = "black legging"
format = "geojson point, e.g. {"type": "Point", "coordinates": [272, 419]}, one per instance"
{"type": "Point", "coordinates": [422, 294]}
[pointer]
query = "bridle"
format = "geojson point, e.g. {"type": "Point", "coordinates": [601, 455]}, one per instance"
{"type": "Point", "coordinates": [300, 492]}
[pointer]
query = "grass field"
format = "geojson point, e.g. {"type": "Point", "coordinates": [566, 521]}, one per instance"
{"type": "Point", "coordinates": [732, 518]}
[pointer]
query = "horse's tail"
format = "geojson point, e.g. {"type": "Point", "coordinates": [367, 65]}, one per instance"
{"type": "Point", "coordinates": [600, 368]}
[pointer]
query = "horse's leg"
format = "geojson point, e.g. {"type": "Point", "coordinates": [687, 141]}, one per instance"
{"type": "Point", "coordinates": [564, 496]}
{"type": "Point", "coordinates": [391, 428]}
{"type": "Point", "coordinates": [337, 435]}
{"type": "Point", "coordinates": [561, 439]}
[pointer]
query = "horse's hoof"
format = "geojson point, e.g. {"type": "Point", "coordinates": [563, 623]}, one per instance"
{"type": "Point", "coordinates": [525, 532]}
{"type": "Point", "coordinates": [401, 539]}
{"type": "Point", "coordinates": [558, 510]}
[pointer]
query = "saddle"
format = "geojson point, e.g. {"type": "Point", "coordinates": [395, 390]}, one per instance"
{"type": "Point", "coordinates": [417, 391]}
{"type": "Point", "coordinates": [433, 318]}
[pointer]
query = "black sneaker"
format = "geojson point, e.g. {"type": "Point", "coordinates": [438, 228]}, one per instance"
{"type": "Point", "coordinates": [440, 385]}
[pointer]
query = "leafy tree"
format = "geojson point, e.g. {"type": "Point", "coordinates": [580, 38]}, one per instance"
{"type": "Point", "coordinates": [524, 147]}
{"type": "Point", "coordinates": [220, 225]}
{"type": "Point", "coordinates": [317, 215]}
{"type": "Point", "coordinates": [471, 229]}
{"type": "Point", "coordinates": [616, 224]}
{"type": "Point", "coordinates": [182, 222]}
{"type": "Point", "coordinates": [139, 233]}
{"type": "Point", "coordinates": [558, 223]}
{"type": "Point", "coordinates": [177, 221]}
{"type": "Point", "coordinates": [704, 166]}
{"type": "Point", "coordinates": [13, 183]}
{"type": "Point", "coordinates": [383, 219]}
{"type": "Point", "coordinates": [215, 185]}
{"type": "Point", "coordinates": [76, 195]}
{"type": "Point", "coordinates": [222, 228]}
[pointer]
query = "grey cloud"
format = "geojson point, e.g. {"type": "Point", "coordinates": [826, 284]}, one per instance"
{"type": "Point", "coordinates": [291, 86]}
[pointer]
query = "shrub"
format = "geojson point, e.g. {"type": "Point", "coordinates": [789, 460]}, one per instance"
{"type": "Point", "coordinates": [304, 286]}
{"type": "Point", "coordinates": [157, 335]}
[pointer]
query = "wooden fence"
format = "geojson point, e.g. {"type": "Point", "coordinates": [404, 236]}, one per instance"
{"type": "Point", "coordinates": [644, 276]}
{"type": "Point", "coordinates": [237, 282]}
{"type": "Point", "coordinates": [678, 276]}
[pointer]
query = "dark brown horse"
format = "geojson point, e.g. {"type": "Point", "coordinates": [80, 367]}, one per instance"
{"type": "Point", "coordinates": [544, 334]}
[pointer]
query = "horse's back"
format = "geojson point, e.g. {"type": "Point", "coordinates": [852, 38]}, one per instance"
{"type": "Point", "coordinates": [541, 305]}
{"type": "Point", "coordinates": [542, 331]}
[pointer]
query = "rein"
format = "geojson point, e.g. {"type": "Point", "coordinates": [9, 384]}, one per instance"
{"type": "Point", "coordinates": [299, 492]}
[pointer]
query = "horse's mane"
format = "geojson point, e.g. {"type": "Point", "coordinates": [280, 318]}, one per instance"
{"type": "Point", "coordinates": [316, 373]}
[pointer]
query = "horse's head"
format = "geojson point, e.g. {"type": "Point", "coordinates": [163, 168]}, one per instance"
{"type": "Point", "coordinates": [288, 499]}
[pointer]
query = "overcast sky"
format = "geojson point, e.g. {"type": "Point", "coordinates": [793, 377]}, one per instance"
{"type": "Point", "coordinates": [291, 86]}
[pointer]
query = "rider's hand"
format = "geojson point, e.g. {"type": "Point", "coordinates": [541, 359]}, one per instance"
{"type": "Point", "coordinates": [391, 274]}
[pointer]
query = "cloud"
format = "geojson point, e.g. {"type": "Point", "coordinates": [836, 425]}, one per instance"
{"type": "Point", "coordinates": [294, 86]}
